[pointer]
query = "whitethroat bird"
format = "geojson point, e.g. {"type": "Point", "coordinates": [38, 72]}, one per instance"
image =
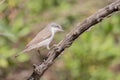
{"type": "Point", "coordinates": [43, 38]}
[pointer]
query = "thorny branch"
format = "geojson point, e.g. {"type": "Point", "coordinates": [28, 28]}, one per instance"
{"type": "Point", "coordinates": [74, 34]}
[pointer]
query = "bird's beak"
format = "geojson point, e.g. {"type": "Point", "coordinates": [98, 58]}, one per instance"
{"type": "Point", "coordinates": [61, 30]}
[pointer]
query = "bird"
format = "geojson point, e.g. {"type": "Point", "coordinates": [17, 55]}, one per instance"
{"type": "Point", "coordinates": [43, 38]}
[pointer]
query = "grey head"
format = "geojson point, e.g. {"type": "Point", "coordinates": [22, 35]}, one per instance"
{"type": "Point", "coordinates": [56, 27]}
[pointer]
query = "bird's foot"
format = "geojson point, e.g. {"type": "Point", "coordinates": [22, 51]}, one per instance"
{"type": "Point", "coordinates": [38, 51]}
{"type": "Point", "coordinates": [54, 45]}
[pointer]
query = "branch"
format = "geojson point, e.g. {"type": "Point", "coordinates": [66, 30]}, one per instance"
{"type": "Point", "coordinates": [74, 34]}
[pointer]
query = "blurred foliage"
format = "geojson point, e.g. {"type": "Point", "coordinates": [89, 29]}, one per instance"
{"type": "Point", "coordinates": [88, 58]}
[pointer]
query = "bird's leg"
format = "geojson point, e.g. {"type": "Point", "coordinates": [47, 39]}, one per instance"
{"type": "Point", "coordinates": [38, 52]}
{"type": "Point", "coordinates": [42, 56]}
{"type": "Point", "coordinates": [54, 45]}
{"type": "Point", "coordinates": [48, 47]}
{"type": "Point", "coordinates": [35, 65]}
{"type": "Point", "coordinates": [48, 54]}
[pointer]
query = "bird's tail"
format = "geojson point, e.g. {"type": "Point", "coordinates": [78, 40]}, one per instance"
{"type": "Point", "coordinates": [17, 54]}
{"type": "Point", "coordinates": [25, 50]}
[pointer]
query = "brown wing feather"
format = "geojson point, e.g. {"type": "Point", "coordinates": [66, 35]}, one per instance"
{"type": "Point", "coordinates": [42, 35]}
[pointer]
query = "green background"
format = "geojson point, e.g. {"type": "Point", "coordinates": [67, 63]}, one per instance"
{"type": "Point", "coordinates": [95, 55]}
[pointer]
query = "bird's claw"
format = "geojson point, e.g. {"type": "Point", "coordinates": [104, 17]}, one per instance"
{"type": "Point", "coordinates": [54, 45]}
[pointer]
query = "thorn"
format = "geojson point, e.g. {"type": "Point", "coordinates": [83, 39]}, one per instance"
{"type": "Point", "coordinates": [45, 58]}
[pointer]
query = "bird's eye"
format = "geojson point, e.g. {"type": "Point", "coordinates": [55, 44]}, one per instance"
{"type": "Point", "coordinates": [57, 26]}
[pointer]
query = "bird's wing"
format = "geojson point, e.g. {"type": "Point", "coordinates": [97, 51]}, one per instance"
{"type": "Point", "coordinates": [42, 35]}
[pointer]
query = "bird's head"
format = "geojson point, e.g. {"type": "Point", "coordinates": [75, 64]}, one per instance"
{"type": "Point", "coordinates": [55, 27]}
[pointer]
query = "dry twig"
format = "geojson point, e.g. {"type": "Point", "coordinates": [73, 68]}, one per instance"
{"type": "Point", "coordinates": [75, 33]}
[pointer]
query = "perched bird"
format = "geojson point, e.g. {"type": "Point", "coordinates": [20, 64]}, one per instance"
{"type": "Point", "coordinates": [43, 38]}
